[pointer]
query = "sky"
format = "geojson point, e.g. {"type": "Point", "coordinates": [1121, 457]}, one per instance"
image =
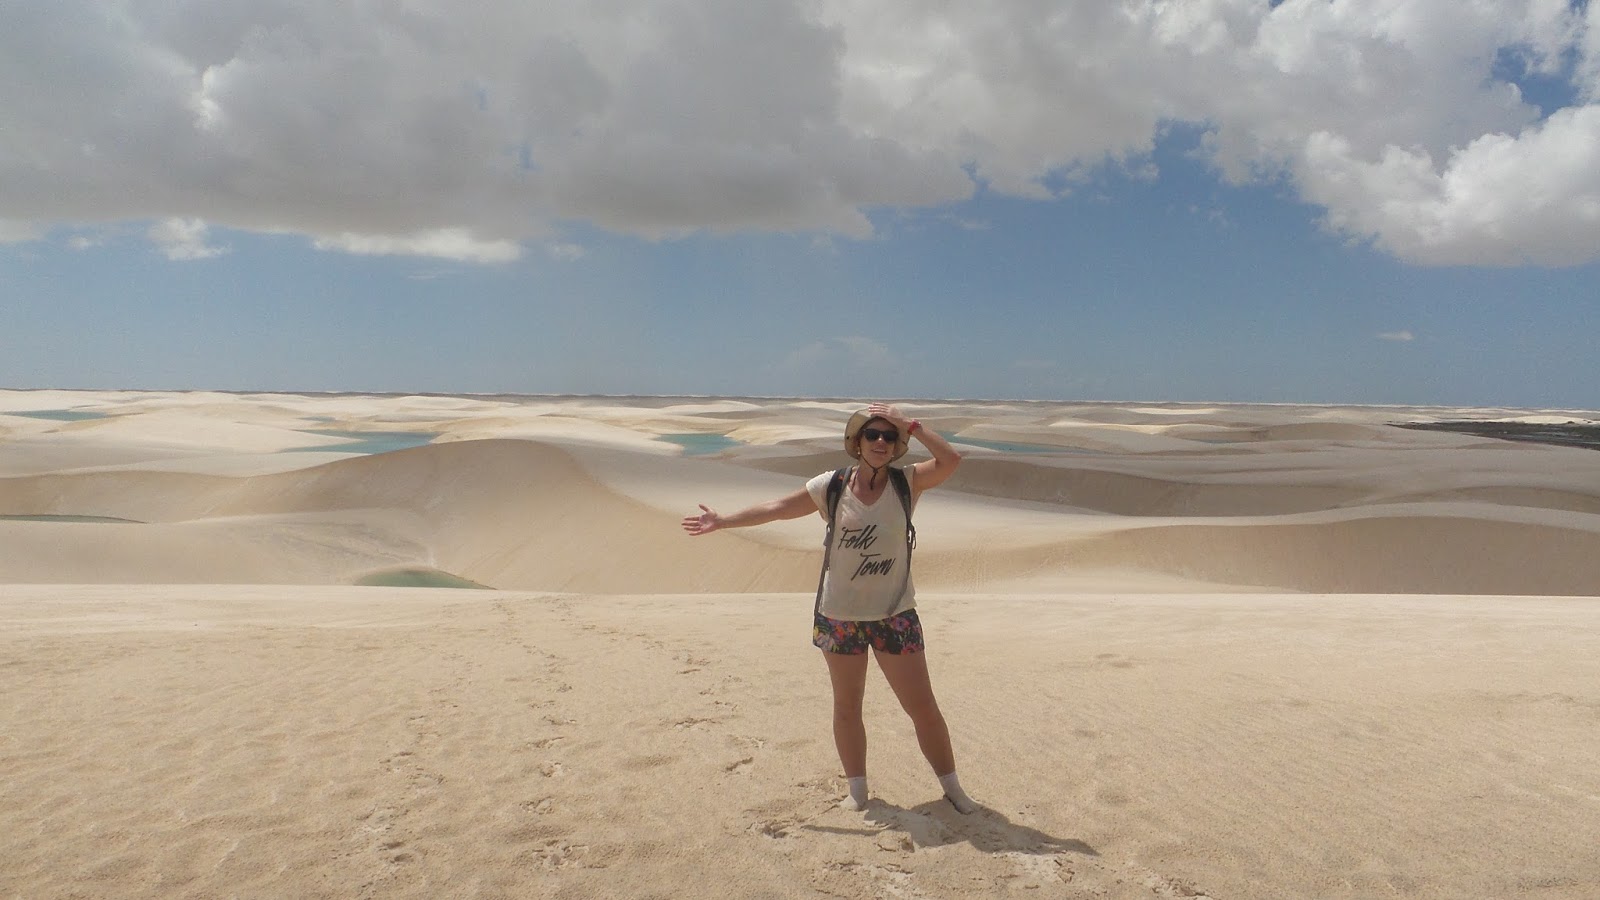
{"type": "Point", "coordinates": [1303, 201]}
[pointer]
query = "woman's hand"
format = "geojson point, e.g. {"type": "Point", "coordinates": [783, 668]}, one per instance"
{"type": "Point", "coordinates": [893, 415]}
{"type": "Point", "coordinates": [705, 523]}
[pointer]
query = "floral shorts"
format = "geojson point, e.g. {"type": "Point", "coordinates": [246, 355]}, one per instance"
{"type": "Point", "coordinates": [896, 634]}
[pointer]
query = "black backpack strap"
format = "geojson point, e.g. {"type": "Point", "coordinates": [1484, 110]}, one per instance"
{"type": "Point", "coordinates": [835, 490]}
{"type": "Point", "coordinates": [902, 486]}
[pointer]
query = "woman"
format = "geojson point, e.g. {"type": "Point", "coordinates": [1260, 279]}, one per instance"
{"type": "Point", "coordinates": [866, 598]}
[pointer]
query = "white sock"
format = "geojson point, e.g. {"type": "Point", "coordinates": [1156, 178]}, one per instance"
{"type": "Point", "coordinates": [957, 797]}
{"type": "Point", "coordinates": [858, 794]}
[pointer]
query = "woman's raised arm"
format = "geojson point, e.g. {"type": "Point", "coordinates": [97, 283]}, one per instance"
{"type": "Point", "coordinates": [930, 472]}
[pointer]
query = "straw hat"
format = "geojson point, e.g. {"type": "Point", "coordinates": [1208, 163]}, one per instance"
{"type": "Point", "coordinates": [858, 420]}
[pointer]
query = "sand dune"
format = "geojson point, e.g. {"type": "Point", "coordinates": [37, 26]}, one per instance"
{"type": "Point", "coordinates": [1186, 651]}
{"type": "Point", "coordinates": [501, 512]}
{"type": "Point", "coordinates": [559, 512]}
{"type": "Point", "coordinates": [1437, 550]}
{"type": "Point", "coordinates": [524, 515]}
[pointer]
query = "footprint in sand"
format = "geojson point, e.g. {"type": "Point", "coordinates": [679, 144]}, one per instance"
{"type": "Point", "coordinates": [396, 851]}
{"type": "Point", "coordinates": [1169, 888]}
{"type": "Point", "coordinates": [561, 855]}
{"type": "Point", "coordinates": [641, 763]}
{"type": "Point", "coordinates": [885, 880]}
{"type": "Point", "coordinates": [748, 748]}
{"type": "Point", "coordinates": [693, 722]}
{"type": "Point", "coordinates": [775, 830]}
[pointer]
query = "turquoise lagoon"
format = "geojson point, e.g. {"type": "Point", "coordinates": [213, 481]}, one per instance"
{"type": "Point", "coordinates": [700, 444]}
{"type": "Point", "coordinates": [418, 576]}
{"type": "Point", "coordinates": [369, 442]}
{"type": "Point", "coordinates": [1013, 447]}
{"type": "Point", "coordinates": [48, 518]}
{"type": "Point", "coordinates": [61, 415]}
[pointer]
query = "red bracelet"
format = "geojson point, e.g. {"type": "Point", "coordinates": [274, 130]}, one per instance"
{"type": "Point", "coordinates": [912, 428]}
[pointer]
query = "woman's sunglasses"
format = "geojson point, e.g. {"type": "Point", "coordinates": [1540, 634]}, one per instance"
{"type": "Point", "coordinates": [877, 434]}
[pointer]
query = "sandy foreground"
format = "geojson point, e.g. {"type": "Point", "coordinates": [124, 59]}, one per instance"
{"type": "Point", "coordinates": [1185, 651]}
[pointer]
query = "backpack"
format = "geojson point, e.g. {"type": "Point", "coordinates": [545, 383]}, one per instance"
{"type": "Point", "coordinates": [836, 484]}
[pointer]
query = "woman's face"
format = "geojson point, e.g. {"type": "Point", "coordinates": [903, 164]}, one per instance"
{"type": "Point", "coordinates": [877, 453]}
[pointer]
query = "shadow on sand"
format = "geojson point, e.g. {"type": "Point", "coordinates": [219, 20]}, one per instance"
{"type": "Point", "coordinates": [936, 823]}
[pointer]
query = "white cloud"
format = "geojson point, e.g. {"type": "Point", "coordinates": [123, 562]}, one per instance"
{"type": "Point", "coordinates": [443, 243]}
{"type": "Point", "coordinates": [844, 366]}
{"type": "Point", "coordinates": [1404, 337]}
{"type": "Point", "coordinates": [12, 232]}
{"type": "Point", "coordinates": [433, 129]}
{"type": "Point", "coordinates": [1587, 73]}
{"type": "Point", "coordinates": [969, 224]}
{"type": "Point", "coordinates": [183, 239]}
{"type": "Point", "coordinates": [1499, 200]}
{"type": "Point", "coordinates": [852, 352]}
{"type": "Point", "coordinates": [564, 251]}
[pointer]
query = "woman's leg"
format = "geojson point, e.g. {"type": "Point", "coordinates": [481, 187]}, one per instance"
{"type": "Point", "coordinates": [907, 674]}
{"type": "Point", "coordinates": [848, 672]}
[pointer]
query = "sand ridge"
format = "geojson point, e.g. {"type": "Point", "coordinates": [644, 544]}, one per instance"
{"type": "Point", "coordinates": [1186, 650]}
{"type": "Point", "coordinates": [524, 495]}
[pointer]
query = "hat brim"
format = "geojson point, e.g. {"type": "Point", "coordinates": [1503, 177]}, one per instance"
{"type": "Point", "coordinates": [858, 421]}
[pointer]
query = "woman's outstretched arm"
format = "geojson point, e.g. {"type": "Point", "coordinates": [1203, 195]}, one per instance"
{"type": "Point", "coordinates": [793, 506]}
